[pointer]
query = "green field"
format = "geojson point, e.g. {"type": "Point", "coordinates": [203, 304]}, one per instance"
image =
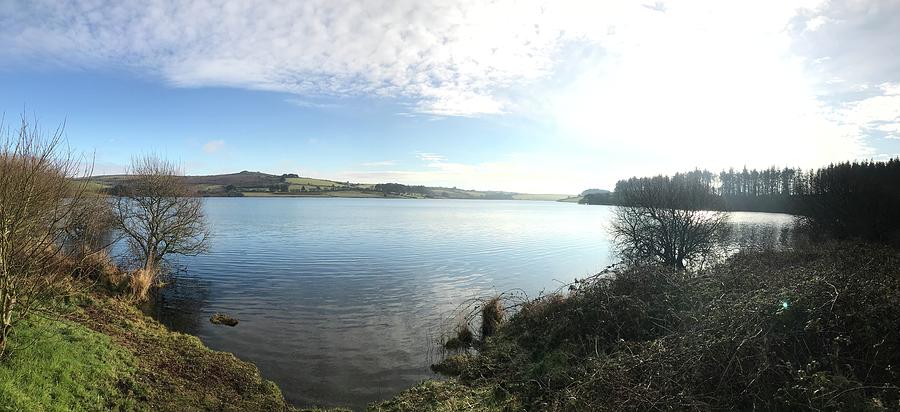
{"type": "Point", "coordinates": [309, 181]}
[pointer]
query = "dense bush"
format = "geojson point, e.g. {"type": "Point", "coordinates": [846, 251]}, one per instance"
{"type": "Point", "coordinates": [814, 330]}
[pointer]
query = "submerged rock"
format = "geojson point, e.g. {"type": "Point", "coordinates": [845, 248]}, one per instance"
{"type": "Point", "coordinates": [222, 319]}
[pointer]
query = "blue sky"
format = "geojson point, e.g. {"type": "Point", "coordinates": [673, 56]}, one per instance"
{"type": "Point", "coordinates": [223, 130]}
{"type": "Point", "coordinates": [532, 96]}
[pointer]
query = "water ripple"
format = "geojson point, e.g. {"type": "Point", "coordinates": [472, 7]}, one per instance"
{"type": "Point", "coordinates": [340, 300]}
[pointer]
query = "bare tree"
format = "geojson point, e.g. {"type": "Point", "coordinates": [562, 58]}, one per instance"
{"type": "Point", "coordinates": [667, 221]}
{"type": "Point", "coordinates": [159, 214]}
{"type": "Point", "coordinates": [40, 196]}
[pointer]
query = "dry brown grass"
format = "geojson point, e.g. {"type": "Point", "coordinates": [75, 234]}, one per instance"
{"type": "Point", "coordinates": [464, 338]}
{"type": "Point", "coordinates": [141, 281]}
{"type": "Point", "coordinates": [98, 266]}
{"type": "Point", "coordinates": [491, 316]}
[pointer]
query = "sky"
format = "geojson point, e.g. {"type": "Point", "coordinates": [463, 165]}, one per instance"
{"type": "Point", "coordinates": [529, 96]}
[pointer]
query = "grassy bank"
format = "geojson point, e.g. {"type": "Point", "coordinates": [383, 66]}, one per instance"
{"type": "Point", "coordinates": [101, 353]}
{"type": "Point", "coordinates": [63, 366]}
{"type": "Point", "coordinates": [802, 330]}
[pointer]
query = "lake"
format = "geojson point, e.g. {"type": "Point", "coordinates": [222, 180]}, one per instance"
{"type": "Point", "coordinates": [341, 301]}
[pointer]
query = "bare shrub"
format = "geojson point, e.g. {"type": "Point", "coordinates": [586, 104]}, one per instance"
{"type": "Point", "coordinates": [159, 215]}
{"type": "Point", "coordinates": [463, 338]}
{"type": "Point", "coordinates": [38, 202]}
{"type": "Point", "coordinates": [491, 316]}
{"type": "Point", "coordinates": [666, 221]}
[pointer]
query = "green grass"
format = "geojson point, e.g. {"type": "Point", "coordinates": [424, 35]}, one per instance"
{"type": "Point", "coordinates": [92, 186]}
{"type": "Point", "coordinates": [59, 365]}
{"type": "Point", "coordinates": [108, 355]}
{"type": "Point", "coordinates": [308, 181]}
{"type": "Point", "coordinates": [210, 188]}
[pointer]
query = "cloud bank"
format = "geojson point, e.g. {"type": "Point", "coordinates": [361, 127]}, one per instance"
{"type": "Point", "coordinates": [452, 58]}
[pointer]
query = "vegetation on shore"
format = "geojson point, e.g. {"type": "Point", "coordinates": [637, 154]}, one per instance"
{"type": "Point", "coordinates": [100, 352]}
{"type": "Point", "coordinates": [71, 337]}
{"type": "Point", "coordinates": [809, 329]}
{"type": "Point", "coordinates": [259, 184]}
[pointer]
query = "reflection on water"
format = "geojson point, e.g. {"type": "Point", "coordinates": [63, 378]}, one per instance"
{"type": "Point", "coordinates": [340, 300]}
{"type": "Point", "coordinates": [184, 297]}
{"type": "Point", "coordinates": [760, 231]}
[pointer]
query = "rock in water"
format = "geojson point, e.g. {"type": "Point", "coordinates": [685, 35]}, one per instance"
{"type": "Point", "coordinates": [221, 319]}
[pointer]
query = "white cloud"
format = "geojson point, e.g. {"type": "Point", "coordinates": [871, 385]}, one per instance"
{"type": "Point", "coordinates": [382, 163]}
{"type": "Point", "coordinates": [311, 104]}
{"type": "Point", "coordinates": [855, 45]}
{"type": "Point", "coordinates": [450, 58]}
{"type": "Point", "coordinates": [510, 174]}
{"type": "Point", "coordinates": [815, 23]}
{"type": "Point", "coordinates": [431, 157]}
{"type": "Point", "coordinates": [879, 114]}
{"type": "Point", "coordinates": [668, 86]}
{"type": "Point", "coordinates": [213, 146]}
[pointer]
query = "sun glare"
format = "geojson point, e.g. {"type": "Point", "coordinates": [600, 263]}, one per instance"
{"type": "Point", "coordinates": [686, 92]}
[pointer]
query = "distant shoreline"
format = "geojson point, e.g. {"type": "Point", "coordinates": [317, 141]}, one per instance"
{"type": "Point", "coordinates": [377, 195]}
{"type": "Point", "coordinates": [256, 184]}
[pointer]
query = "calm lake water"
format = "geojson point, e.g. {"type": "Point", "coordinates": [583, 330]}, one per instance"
{"type": "Point", "coordinates": [341, 301]}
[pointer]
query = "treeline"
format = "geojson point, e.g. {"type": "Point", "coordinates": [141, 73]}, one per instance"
{"type": "Point", "coordinates": [401, 189]}
{"type": "Point", "coordinates": [855, 200]}
{"type": "Point", "coordinates": [849, 199]}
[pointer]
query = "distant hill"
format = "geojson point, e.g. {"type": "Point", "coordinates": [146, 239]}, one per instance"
{"type": "Point", "coordinates": [248, 183]}
{"type": "Point", "coordinates": [593, 191]}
